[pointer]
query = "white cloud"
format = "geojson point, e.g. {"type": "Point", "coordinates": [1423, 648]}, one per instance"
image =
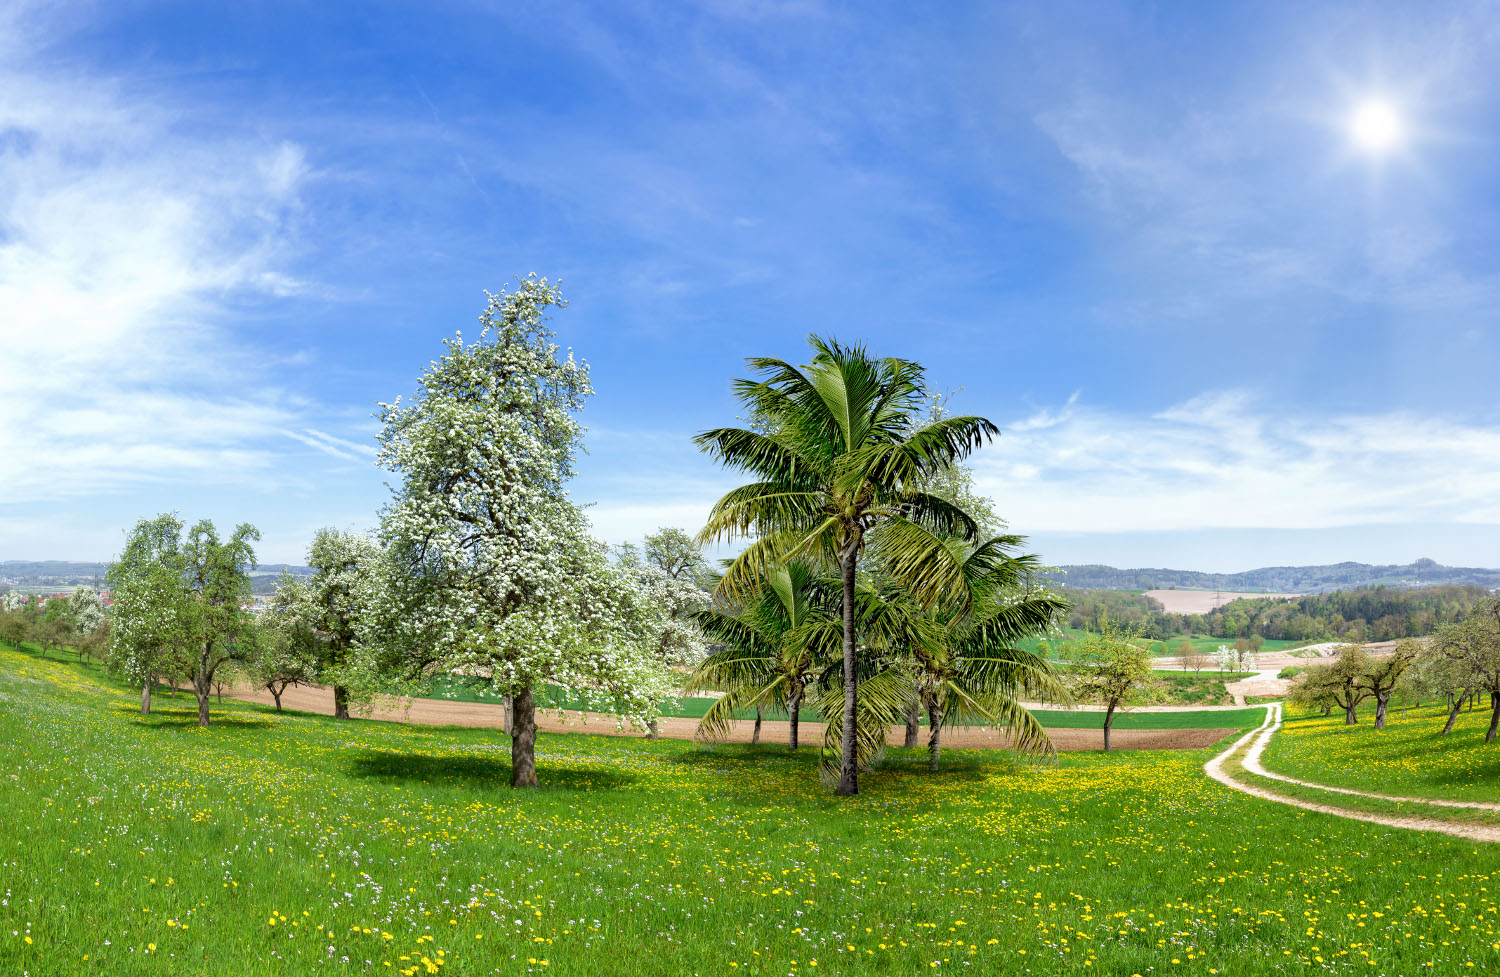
{"type": "Point", "coordinates": [126, 242]}
{"type": "Point", "coordinates": [1225, 461]}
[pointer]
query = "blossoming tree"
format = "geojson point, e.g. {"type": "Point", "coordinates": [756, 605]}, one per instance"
{"type": "Point", "coordinates": [325, 625]}
{"type": "Point", "coordinates": [496, 575]}
{"type": "Point", "coordinates": [151, 623]}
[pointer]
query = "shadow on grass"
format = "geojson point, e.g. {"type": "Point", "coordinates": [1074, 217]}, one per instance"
{"type": "Point", "coordinates": [476, 772]}
{"type": "Point", "coordinates": [181, 719]}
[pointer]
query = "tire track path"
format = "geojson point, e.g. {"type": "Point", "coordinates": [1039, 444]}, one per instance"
{"type": "Point", "coordinates": [1257, 740]}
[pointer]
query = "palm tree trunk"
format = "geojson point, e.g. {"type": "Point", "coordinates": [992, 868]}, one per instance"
{"type": "Point", "coordinates": [794, 709]}
{"type": "Point", "coordinates": [935, 735]}
{"type": "Point", "coordinates": [849, 761]}
{"type": "Point", "coordinates": [912, 723]}
{"type": "Point", "coordinates": [523, 740]}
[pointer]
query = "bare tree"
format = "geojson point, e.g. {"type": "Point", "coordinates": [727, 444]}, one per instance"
{"type": "Point", "coordinates": [1339, 682]}
{"type": "Point", "coordinates": [1382, 674]}
{"type": "Point", "coordinates": [1474, 645]}
{"type": "Point", "coordinates": [1109, 669]}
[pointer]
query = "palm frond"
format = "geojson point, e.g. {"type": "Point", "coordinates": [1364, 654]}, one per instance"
{"type": "Point", "coordinates": [722, 715]}
{"type": "Point", "coordinates": [751, 451]}
{"type": "Point", "coordinates": [929, 567]}
{"type": "Point", "coordinates": [759, 509]}
{"type": "Point", "coordinates": [880, 703]}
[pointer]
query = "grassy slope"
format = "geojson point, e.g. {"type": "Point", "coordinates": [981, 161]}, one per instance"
{"type": "Point", "coordinates": [294, 844]}
{"type": "Point", "coordinates": [1410, 757]}
{"type": "Point", "coordinates": [1182, 688]}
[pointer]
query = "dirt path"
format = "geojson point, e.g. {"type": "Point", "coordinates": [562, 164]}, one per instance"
{"type": "Point", "coordinates": [1251, 762]}
{"type": "Point", "coordinates": [438, 712]}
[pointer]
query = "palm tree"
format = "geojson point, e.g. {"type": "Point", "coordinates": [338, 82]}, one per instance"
{"type": "Point", "coordinates": [766, 662]}
{"type": "Point", "coordinates": [967, 667]}
{"type": "Point", "coordinates": [840, 470]}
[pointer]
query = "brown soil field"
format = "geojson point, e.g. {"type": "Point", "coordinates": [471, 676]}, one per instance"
{"type": "Point", "coordinates": [436, 712]}
{"type": "Point", "coordinates": [1200, 601]}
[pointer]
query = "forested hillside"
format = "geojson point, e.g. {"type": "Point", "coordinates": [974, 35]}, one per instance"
{"type": "Point", "coordinates": [1369, 614]}
{"type": "Point", "coordinates": [1291, 580]}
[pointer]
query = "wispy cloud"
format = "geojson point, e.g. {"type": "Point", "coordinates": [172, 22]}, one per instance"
{"type": "Point", "coordinates": [338, 447]}
{"type": "Point", "coordinates": [1227, 461]}
{"type": "Point", "coordinates": [127, 246]}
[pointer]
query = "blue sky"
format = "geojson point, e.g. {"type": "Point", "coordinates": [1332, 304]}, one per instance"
{"type": "Point", "coordinates": [1216, 333]}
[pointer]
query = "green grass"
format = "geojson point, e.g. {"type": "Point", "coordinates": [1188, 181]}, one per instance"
{"type": "Point", "coordinates": [1410, 757]}
{"type": "Point", "coordinates": [1183, 719]}
{"type": "Point", "coordinates": [277, 837]}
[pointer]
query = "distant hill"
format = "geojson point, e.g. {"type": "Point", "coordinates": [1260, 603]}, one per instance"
{"type": "Point", "coordinates": [1289, 580]}
{"type": "Point", "coordinates": [66, 573]}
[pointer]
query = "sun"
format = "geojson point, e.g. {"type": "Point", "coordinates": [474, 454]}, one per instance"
{"type": "Point", "coordinates": [1375, 126]}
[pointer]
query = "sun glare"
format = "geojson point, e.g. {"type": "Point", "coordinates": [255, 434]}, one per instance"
{"type": "Point", "coordinates": [1375, 126]}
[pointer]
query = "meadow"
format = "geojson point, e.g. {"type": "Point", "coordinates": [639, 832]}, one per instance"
{"type": "Point", "coordinates": [1410, 757]}
{"type": "Point", "coordinates": [290, 844]}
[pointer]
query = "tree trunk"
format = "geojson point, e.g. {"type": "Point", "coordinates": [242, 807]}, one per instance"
{"type": "Point", "coordinates": [1109, 720]}
{"type": "Point", "coordinates": [1381, 702]}
{"type": "Point", "coordinates": [1489, 737]}
{"type": "Point", "coordinates": [509, 711]}
{"type": "Point", "coordinates": [913, 721]}
{"type": "Point", "coordinates": [523, 740]}
{"type": "Point", "coordinates": [849, 761]}
{"type": "Point", "coordinates": [794, 713]}
{"type": "Point", "coordinates": [277, 696]}
{"type": "Point", "coordinates": [653, 730]}
{"type": "Point", "coordinates": [755, 736]}
{"type": "Point", "coordinates": [1327, 708]}
{"type": "Point", "coordinates": [340, 702]}
{"type": "Point", "coordinates": [1351, 718]}
{"type": "Point", "coordinates": [1453, 709]}
{"type": "Point", "coordinates": [934, 735]}
{"type": "Point", "coordinates": [203, 684]}
{"type": "Point", "coordinates": [146, 697]}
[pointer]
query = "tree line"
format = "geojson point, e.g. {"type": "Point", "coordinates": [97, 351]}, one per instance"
{"type": "Point", "coordinates": [872, 581]}
{"type": "Point", "coordinates": [1374, 614]}
{"type": "Point", "coordinates": [79, 621]}
{"type": "Point", "coordinates": [1458, 664]}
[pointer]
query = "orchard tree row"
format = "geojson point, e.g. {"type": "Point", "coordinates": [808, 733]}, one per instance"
{"type": "Point", "coordinates": [1459, 664]}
